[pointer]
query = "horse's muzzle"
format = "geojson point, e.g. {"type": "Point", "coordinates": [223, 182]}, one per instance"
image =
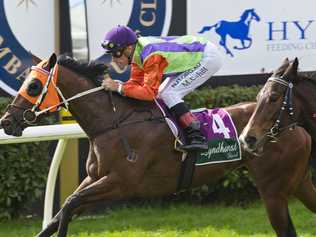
{"type": "Point", "coordinates": [10, 128]}
{"type": "Point", "coordinates": [7, 126]}
{"type": "Point", "coordinates": [251, 145]}
{"type": "Point", "coordinates": [251, 141]}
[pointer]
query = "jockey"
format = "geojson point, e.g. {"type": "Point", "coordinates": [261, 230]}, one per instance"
{"type": "Point", "coordinates": [185, 62]}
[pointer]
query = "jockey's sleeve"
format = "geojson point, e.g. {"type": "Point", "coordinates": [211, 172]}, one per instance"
{"type": "Point", "coordinates": [144, 83]}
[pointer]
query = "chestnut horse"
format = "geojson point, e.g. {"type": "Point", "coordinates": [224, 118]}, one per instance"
{"type": "Point", "coordinates": [110, 119]}
{"type": "Point", "coordinates": [286, 100]}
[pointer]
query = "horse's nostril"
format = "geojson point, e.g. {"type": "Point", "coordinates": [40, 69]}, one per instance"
{"type": "Point", "coordinates": [251, 140]}
{"type": "Point", "coordinates": [5, 123]}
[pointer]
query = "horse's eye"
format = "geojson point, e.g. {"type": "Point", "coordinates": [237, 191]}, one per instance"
{"type": "Point", "coordinates": [35, 87]}
{"type": "Point", "coordinates": [273, 97]}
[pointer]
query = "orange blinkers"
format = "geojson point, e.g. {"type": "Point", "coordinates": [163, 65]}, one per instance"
{"type": "Point", "coordinates": [51, 97]}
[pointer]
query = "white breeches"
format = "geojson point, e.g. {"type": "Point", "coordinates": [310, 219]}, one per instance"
{"type": "Point", "coordinates": [172, 90]}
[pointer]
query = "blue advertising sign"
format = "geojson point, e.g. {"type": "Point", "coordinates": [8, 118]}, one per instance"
{"type": "Point", "coordinates": [14, 59]}
{"type": "Point", "coordinates": [25, 25]}
{"type": "Point", "coordinates": [148, 17]}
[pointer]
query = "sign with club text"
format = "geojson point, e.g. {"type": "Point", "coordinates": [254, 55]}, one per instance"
{"type": "Point", "coordinates": [148, 17]}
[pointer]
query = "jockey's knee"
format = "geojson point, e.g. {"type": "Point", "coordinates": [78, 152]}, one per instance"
{"type": "Point", "coordinates": [169, 97]}
{"type": "Point", "coordinates": [215, 61]}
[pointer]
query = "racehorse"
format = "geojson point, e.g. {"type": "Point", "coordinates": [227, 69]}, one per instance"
{"type": "Point", "coordinates": [286, 100]}
{"type": "Point", "coordinates": [236, 30]}
{"type": "Point", "coordinates": [109, 118]}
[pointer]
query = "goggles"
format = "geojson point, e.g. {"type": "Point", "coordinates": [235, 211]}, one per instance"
{"type": "Point", "coordinates": [115, 50]}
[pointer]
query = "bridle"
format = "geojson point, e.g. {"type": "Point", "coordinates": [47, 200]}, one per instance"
{"type": "Point", "coordinates": [30, 115]}
{"type": "Point", "coordinates": [287, 106]}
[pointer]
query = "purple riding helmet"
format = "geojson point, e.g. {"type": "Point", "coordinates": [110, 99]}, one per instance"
{"type": "Point", "coordinates": [117, 39]}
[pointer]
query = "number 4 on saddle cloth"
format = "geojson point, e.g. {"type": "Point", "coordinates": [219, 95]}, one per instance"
{"type": "Point", "coordinates": [217, 127]}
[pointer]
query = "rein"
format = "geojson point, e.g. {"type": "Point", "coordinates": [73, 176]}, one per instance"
{"type": "Point", "coordinates": [66, 101]}
{"type": "Point", "coordinates": [276, 129]}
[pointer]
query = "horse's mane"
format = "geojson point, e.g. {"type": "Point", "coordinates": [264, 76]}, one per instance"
{"type": "Point", "coordinates": [309, 77]}
{"type": "Point", "coordinates": [306, 76]}
{"type": "Point", "coordinates": [95, 71]}
{"type": "Point", "coordinates": [92, 70]}
{"type": "Point", "coordinates": [245, 14]}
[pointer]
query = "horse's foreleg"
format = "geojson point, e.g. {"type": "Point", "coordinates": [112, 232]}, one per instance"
{"type": "Point", "coordinates": [306, 193]}
{"type": "Point", "coordinates": [52, 227]}
{"type": "Point", "coordinates": [105, 188]}
{"type": "Point", "coordinates": [243, 44]}
{"type": "Point", "coordinates": [250, 42]}
{"type": "Point", "coordinates": [277, 208]}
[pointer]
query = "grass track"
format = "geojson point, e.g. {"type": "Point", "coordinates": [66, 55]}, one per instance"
{"type": "Point", "coordinates": [178, 220]}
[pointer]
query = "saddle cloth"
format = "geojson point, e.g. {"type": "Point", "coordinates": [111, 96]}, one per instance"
{"type": "Point", "coordinates": [217, 127]}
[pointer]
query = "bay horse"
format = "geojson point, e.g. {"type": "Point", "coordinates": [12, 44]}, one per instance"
{"type": "Point", "coordinates": [235, 29]}
{"type": "Point", "coordinates": [154, 170]}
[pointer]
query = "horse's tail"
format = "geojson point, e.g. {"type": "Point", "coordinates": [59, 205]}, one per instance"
{"type": "Point", "coordinates": [207, 28]}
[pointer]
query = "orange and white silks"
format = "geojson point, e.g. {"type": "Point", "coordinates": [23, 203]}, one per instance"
{"type": "Point", "coordinates": [51, 98]}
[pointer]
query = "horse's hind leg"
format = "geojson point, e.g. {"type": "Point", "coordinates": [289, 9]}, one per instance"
{"type": "Point", "coordinates": [243, 44]}
{"type": "Point", "coordinates": [306, 193]}
{"type": "Point", "coordinates": [279, 216]}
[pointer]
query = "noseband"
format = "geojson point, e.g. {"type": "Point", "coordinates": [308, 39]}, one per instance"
{"type": "Point", "coordinates": [287, 106]}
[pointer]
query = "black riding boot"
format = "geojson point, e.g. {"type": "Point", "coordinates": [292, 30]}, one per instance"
{"type": "Point", "coordinates": [195, 139]}
{"type": "Point", "coordinates": [191, 127]}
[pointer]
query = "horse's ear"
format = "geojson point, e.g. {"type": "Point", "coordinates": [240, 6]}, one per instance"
{"type": "Point", "coordinates": [295, 64]}
{"type": "Point", "coordinates": [291, 71]}
{"type": "Point", "coordinates": [280, 71]}
{"type": "Point", "coordinates": [35, 60]}
{"type": "Point", "coordinates": [52, 61]}
{"type": "Point", "coordinates": [286, 61]}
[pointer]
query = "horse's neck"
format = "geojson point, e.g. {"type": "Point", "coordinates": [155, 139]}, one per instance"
{"type": "Point", "coordinates": [306, 106]}
{"type": "Point", "coordinates": [93, 111]}
{"type": "Point", "coordinates": [244, 16]}
{"type": "Point", "coordinates": [100, 111]}
{"type": "Point", "coordinates": [248, 20]}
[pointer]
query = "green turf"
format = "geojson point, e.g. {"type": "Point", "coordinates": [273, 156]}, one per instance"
{"type": "Point", "coordinates": [173, 221]}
